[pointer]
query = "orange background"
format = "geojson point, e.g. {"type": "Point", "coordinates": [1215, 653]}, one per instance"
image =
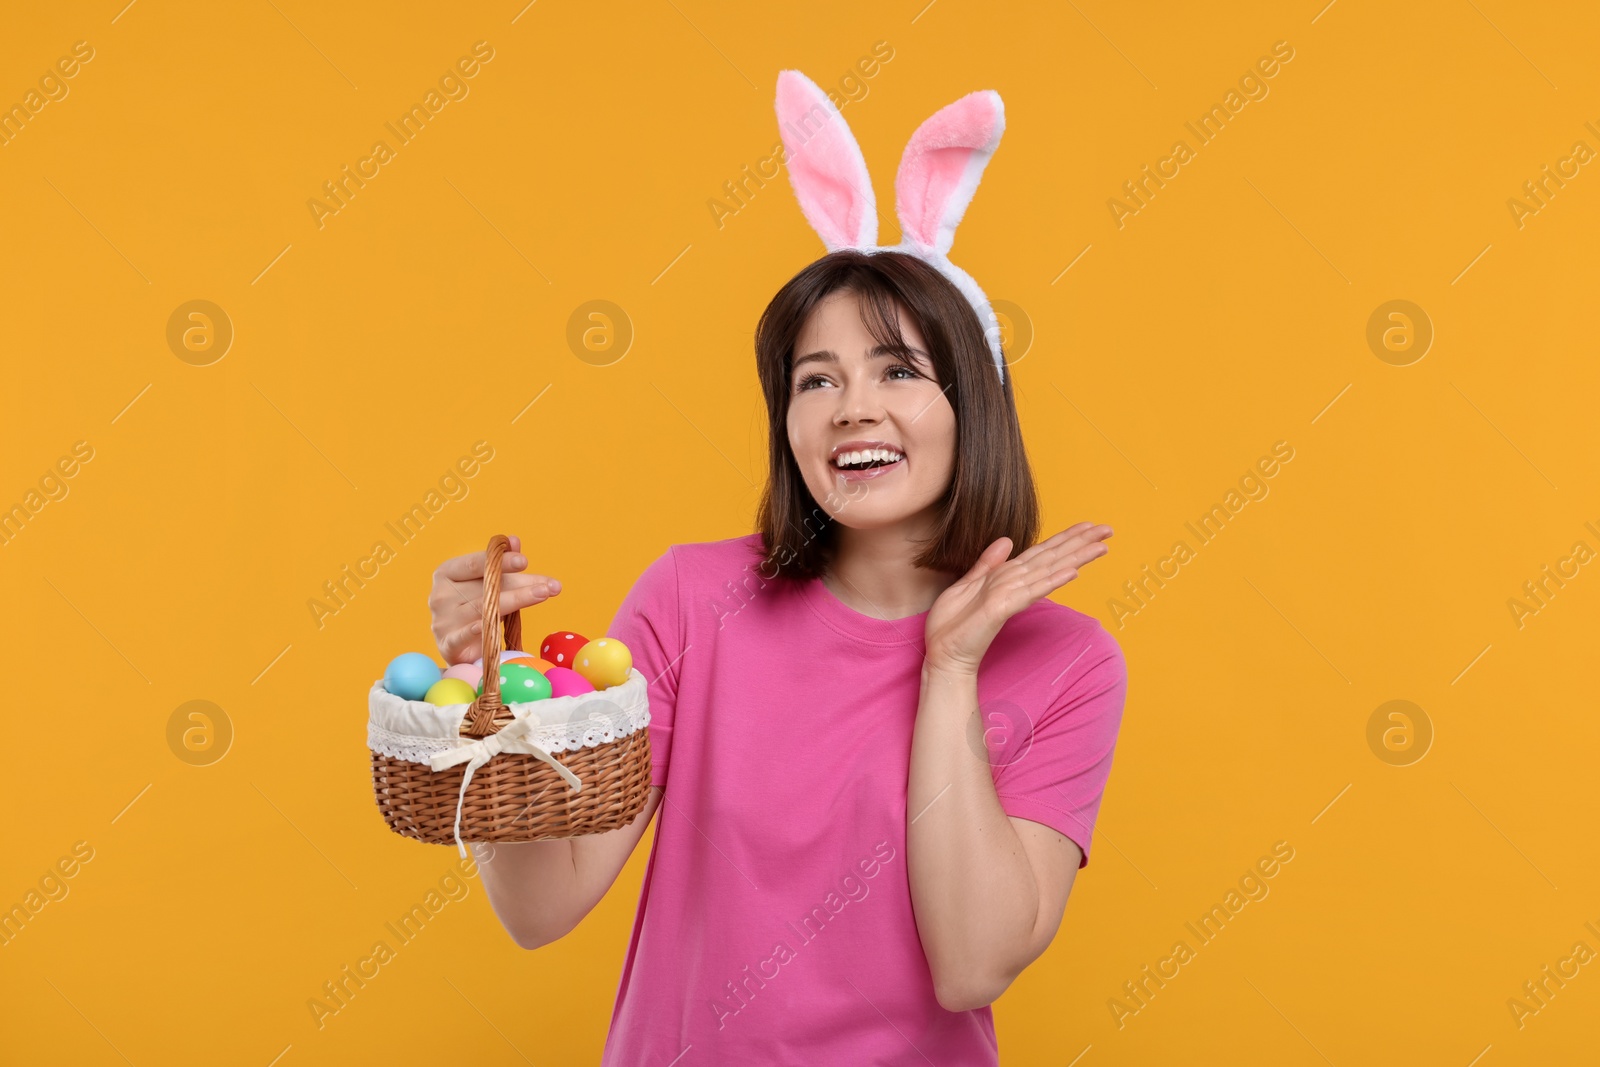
{"type": "Point", "coordinates": [432, 311]}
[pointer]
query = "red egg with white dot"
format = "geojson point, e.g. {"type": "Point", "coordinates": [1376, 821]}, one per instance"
{"type": "Point", "coordinates": [561, 647]}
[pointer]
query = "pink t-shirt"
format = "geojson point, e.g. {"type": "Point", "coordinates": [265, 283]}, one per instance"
{"type": "Point", "coordinates": [775, 924]}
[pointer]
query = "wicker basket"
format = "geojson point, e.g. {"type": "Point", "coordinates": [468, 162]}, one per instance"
{"type": "Point", "coordinates": [488, 771]}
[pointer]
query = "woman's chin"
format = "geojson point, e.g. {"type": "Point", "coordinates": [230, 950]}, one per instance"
{"type": "Point", "coordinates": [875, 514]}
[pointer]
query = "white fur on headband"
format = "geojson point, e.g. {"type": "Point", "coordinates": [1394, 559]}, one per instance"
{"type": "Point", "coordinates": [939, 173]}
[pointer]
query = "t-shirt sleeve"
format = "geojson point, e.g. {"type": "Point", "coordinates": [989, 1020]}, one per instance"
{"type": "Point", "coordinates": [650, 624]}
{"type": "Point", "coordinates": [1059, 778]}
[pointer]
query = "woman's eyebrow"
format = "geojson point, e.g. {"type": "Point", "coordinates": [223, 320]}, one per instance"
{"type": "Point", "coordinates": [826, 355]}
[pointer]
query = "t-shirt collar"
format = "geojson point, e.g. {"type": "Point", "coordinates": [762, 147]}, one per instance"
{"type": "Point", "coordinates": [910, 630]}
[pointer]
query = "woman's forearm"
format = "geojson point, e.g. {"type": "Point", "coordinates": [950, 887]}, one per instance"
{"type": "Point", "coordinates": [542, 889]}
{"type": "Point", "coordinates": [531, 885]}
{"type": "Point", "coordinates": [972, 887]}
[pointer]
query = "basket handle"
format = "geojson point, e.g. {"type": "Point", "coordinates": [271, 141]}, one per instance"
{"type": "Point", "coordinates": [479, 720]}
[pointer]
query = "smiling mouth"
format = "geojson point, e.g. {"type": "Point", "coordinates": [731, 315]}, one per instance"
{"type": "Point", "coordinates": [866, 469]}
{"type": "Point", "coordinates": [870, 465]}
{"type": "Point", "coordinates": [867, 459]}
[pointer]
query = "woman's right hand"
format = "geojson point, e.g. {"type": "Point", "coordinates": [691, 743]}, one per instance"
{"type": "Point", "coordinates": [456, 599]}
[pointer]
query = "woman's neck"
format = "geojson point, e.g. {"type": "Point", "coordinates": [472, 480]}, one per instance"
{"type": "Point", "coordinates": [872, 573]}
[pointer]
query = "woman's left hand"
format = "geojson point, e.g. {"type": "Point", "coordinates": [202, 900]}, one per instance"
{"type": "Point", "coordinates": [965, 619]}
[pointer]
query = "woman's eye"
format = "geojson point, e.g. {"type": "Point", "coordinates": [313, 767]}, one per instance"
{"type": "Point", "coordinates": [810, 379]}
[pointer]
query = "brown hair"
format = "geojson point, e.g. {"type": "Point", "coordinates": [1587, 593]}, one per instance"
{"type": "Point", "coordinates": [991, 492]}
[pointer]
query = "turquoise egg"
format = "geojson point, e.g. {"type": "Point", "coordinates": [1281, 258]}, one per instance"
{"type": "Point", "coordinates": [410, 675]}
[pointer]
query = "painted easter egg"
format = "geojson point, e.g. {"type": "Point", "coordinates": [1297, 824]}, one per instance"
{"type": "Point", "coordinates": [560, 647]}
{"type": "Point", "coordinates": [567, 683]}
{"type": "Point", "coordinates": [410, 675]}
{"type": "Point", "coordinates": [506, 656]}
{"type": "Point", "coordinates": [470, 673]}
{"type": "Point", "coordinates": [605, 662]}
{"type": "Point", "coordinates": [540, 665]}
{"type": "Point", "coordinates": [447, 691]}
{"type": "Point", "coordinates": [520, 685]}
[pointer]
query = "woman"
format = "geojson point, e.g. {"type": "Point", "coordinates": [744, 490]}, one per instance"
{"type": "Point", "coordinates": [878, 748]}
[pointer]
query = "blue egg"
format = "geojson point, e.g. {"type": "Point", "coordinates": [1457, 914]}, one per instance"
{"type": "Point", "coordinates": [410, 675]}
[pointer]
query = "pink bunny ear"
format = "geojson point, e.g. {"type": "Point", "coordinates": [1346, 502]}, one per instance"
{"type": "Point", "coordinates": [825, 165]}
{"type": "Point", "coordinates": [942, 164]}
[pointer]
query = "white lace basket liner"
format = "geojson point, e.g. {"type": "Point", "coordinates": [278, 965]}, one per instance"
{"type": "Point", "coordinates": [429, 734]}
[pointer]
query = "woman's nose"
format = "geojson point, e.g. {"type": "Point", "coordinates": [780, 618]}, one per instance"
{"type": "Point", "coordinates": [859, 402]}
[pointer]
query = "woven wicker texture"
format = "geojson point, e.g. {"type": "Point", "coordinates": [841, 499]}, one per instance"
{"type": "Point", "coordinates": [514, 796]}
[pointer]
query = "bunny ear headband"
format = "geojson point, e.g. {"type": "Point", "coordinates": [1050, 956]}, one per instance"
{"type": "Point", "coordinates": [938, 175]}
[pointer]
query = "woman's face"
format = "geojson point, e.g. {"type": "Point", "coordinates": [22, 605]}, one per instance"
{"type": "Point", "coordinates": [845, 399]}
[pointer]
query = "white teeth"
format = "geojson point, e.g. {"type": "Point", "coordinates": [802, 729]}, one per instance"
{"type": "Point", "coordinates": [883, 455]}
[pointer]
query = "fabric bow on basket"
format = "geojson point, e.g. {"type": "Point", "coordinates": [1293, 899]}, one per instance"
{"type": "Point", "coordinates": [597, 742]}
{"type": "Point", "coordinates": [512, 738]}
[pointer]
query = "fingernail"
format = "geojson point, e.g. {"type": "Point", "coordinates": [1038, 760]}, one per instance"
{"type": "Point", "coordinates": [555, 586]}
{"type": "Point", "coordinates": [518, 561]}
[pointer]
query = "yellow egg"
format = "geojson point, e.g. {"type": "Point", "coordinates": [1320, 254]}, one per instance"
{"type": "Point", "coordinates": [605, 662]}
{"type": "Point", "coordinates": [447, 691]}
